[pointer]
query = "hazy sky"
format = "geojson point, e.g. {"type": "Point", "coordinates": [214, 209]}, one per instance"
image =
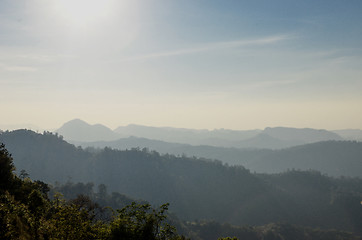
{"type": "Point", "coordinates": [189, 63]}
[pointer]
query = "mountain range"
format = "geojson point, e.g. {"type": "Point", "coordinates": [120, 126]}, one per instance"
{"type": "Point", "coordinates": [270, 138]}
{"type": "Point", "coordinates": [202, 188]}
{"type": "Point", "coordinates": [272, 150]}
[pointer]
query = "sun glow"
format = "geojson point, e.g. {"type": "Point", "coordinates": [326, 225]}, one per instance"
{"type": "Point", "coordinates": [84, 13]}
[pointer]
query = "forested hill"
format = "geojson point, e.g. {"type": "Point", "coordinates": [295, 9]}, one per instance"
{"type": "Point", "coordinates": [334, 158]}
{"type": "Point", "coordinates": [195, 188]}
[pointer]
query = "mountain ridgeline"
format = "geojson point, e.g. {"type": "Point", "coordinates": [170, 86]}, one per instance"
{"type": "Point", "coordinates": [262, 151]}
{"type": "Point", "coordinates": [271, 138]}
{"type": "Point", "coordinates": [197, 188]}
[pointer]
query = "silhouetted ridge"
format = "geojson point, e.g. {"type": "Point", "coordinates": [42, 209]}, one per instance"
{"type": "Point", "coordinates": [302, 135]}
{"type": "Point", "coordinates": [79, 130]}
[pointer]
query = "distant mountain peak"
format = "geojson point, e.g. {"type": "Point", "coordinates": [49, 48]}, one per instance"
{"type": "Point", "coordinates": [79, 130]}
{"type": "Point", "coordinates": [76, 121]}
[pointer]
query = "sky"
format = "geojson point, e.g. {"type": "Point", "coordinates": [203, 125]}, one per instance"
{"type": "Point", "coordinates": [193, 64]}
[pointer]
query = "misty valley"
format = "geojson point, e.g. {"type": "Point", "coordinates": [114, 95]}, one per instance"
{"type": "Point", "coordinates": [165, 183]}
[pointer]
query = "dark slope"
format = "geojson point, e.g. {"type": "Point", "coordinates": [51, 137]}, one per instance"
{"type": "Point", "coordinates": [45, 156]}
{"type": "Point", "coordinates": [232, 156]}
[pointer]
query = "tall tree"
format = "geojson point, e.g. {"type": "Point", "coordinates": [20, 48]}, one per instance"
{"type": "Point", "coordinates": [6, 169]}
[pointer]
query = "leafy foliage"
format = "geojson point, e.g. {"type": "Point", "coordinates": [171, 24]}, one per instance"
{"type": "Point", "coordinates": [27, 213]}
{"type": "Point", "coordinates": [6, 169]}
{"type": "Point", "coordinates": [138, 221]}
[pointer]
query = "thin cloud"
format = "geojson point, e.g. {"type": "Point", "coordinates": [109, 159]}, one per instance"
{"type": "Point", "coordinates": [215, 46]}
{"type": "Point", "coordinates": [268, 84]}
{"type": "Point", "coordinates": [15, 68]}
{"type": "Point", "coordinates": [45, 57]}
